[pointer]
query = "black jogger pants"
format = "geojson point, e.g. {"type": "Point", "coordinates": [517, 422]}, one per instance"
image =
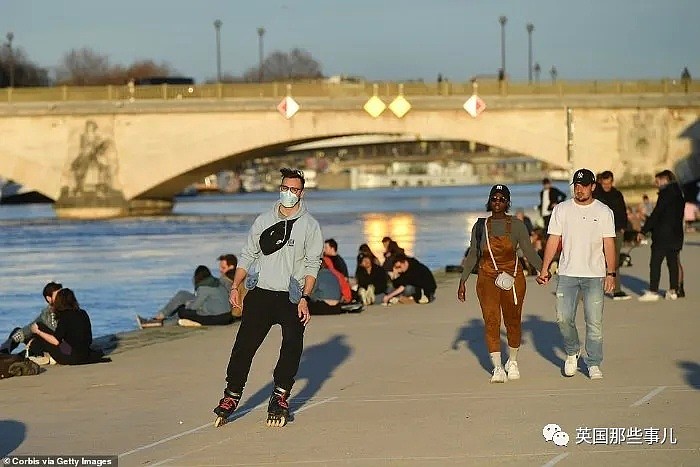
{"type": "Point", "coordinates": [261, 310]}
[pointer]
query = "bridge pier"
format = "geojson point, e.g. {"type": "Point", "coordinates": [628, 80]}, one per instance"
{"type": "Point", "coordinates": [109, 209]}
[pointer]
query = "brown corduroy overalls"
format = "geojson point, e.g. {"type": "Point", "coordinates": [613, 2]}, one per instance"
{"type": "Point", "coordinates": [494, 299]}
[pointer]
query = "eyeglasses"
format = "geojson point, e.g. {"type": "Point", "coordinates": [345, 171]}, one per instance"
{"type": "Point", "coordinates": [499, 199]}
{"type": "Point", "coordinates": [294, 190]}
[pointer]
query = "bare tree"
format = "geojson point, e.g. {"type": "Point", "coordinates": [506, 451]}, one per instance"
{"type": "Point", "coordinates": [293, 65]}
{"type": "Point", "coordinates": [26, 72]}
{"type": "Point", "coordinates": [83, 67]}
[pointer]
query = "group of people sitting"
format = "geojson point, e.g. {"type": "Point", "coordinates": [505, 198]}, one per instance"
{"type": "Point", "coordinates": [396, 279]}
{"type": "Point", "coordinates": [62, 333]}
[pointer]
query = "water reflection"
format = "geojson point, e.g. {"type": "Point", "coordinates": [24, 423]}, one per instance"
{"type": "Point", "coordinates": [400, 227]}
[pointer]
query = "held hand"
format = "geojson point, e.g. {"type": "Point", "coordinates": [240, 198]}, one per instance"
{"type": "Point", "coordinates": [543, 278]}
{"type": "Point", "coordinates": [461, 292]}
{"type": "Point", "coordinates": [303, 312]}
{"type": "Point", "coordinates": [34, 328]}
{"type": "Point", "coordinates": [640, 237]}
{"type": "Point", "coordinates": [234, 297]}
{"type": "Point", "coordinates": [609, 284]}
{"type": "Point", "coordinates": [386, 298]}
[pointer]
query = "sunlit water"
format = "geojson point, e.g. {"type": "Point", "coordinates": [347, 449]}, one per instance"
{"type": "Point", "coordinates": [122, 267]}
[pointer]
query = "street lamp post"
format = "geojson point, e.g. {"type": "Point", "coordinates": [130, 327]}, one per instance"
{"type": "Point", "coordinates": [529, 27]}
{"type": "Point", "coordinates": [10, 37]}
{"type": "Point", "coordinates": [261, 73]}
{"type": "Point", "coordinates": [217, 27]}
{"type": "Point", "coordinates": [503, 20]}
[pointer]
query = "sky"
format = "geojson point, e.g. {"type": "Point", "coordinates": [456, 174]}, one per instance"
{"type": "Point", "coordinates": [375, 39]}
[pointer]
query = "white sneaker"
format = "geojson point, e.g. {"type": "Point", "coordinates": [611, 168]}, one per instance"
{"type": "Point", "coordinates": [594, 372]}
{"type": "Point", "coordinates": [369, 295]}
{"type": "Point", "coordinates": [188, 323]}
{"type": "Point", "coordinates": [43, 360]}
{"type": "Point", "coordinates": [499, 375]}
{"type": "Point", "coordinates": [512, 369]}
{"type": "Point", "coordinates": [649, 296]}
{"type": "Point", "coordinates": [671, 295]}
{"type": "Point", "coordinates": [571, 365]}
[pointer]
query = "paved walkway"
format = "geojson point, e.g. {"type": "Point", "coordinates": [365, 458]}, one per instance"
{"type": "Point", "coordinates": [405, 385]}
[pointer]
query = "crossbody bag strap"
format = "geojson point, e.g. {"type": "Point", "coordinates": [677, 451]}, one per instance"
{"type": "Point", "coordinates": [488, 242]}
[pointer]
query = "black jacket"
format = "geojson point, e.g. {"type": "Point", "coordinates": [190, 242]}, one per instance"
{"type": "Point", "coordinates": [616, 202]}
{"type": "Point", "coordinates": [666, 220]}
{"type": "Point", "coordinates": [556, 196]}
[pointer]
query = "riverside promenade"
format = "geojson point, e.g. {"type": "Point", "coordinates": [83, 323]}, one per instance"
{"type": "Point", "coordinates": [403, 385]}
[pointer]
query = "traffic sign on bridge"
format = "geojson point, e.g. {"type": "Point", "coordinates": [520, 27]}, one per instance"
{"type": "Point", "coordinates": [475, 105]}
{"type": "Point", "coordinates": [288, 107]}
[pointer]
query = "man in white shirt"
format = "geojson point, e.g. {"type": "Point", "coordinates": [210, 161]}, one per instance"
{"type": "Point", "coordinates": [585, 229]}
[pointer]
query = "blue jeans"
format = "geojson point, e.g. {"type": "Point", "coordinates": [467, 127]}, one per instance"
{"type": "Point", "coordinates": [591, 290]}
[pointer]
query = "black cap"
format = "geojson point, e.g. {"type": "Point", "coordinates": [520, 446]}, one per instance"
{"type": "Point", "coordinates": [583, 177]}
{"type": "Point", "coordinates": [502, 189]}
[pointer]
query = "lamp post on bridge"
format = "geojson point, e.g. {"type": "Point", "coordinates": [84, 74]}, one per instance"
{"type": "Point", "coordinates": [529, 28]}
{"type": "Point", "coordinates": [261, 73]}
{"type": "Point", "coordinates": [10, 37]}
{"type": "Point", "coordinates": [503, 20]}
{"type": "Point", "coordinates": [217, 27]}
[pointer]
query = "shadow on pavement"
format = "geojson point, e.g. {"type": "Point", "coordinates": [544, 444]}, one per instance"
{"type": "Point", "coordinates": [318, 363]}
{"type": "Point", "coordinates": [546, 338]}
{"type": "Point", "coordinates": [636, 285]}
{"type": "Point", "coordinates": [692, 373]}
{"type": "Point", "coordinates": [472, 334]}
{"type": "Point", "coordinates": [12, 434]}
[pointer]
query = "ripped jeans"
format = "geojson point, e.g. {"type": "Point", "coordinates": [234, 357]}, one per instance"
{"type": "Point", "coordinates": [569, 289]}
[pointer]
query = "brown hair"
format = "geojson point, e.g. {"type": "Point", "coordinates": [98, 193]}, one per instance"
{"type": "Point", "coordinates": [65, 301]}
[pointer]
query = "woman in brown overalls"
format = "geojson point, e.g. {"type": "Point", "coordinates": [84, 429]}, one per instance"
{"type": "Point", "coordinates": [499, 237]}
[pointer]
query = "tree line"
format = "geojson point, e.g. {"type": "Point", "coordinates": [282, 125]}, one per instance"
{"type": "Point", "coordinates": [86, 67]}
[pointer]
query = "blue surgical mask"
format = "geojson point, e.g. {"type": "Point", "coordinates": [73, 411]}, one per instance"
{"type": "Point", "coordinates": [288, 199]}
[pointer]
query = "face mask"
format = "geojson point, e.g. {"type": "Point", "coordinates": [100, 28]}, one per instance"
{"type": "Point", "coordinates": [288, 199]}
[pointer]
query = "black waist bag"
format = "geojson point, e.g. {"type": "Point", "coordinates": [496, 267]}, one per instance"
{"type": "Point", "coordinates": [17, 365]}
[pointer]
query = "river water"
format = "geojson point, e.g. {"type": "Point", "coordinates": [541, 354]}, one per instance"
{"type": "Point", "coordinates": [126, 266]}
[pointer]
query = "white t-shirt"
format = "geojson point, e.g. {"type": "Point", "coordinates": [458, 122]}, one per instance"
{"type": "Point", "coordinates": [582, 229]}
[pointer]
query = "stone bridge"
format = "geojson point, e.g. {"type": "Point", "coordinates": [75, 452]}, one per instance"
{"type": "Point", "coordinates": [107, 158]}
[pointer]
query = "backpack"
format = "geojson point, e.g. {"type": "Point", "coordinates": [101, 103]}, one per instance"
{"type": "Point", "coordinates": [479, 231]}
{"type": "Point", "coordinates": [16, 365]}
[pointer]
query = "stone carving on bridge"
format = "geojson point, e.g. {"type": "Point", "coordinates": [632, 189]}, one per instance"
{"type": "Point", "coordinates": [642, 144]}
{"type": "Point", "coordinates": [91, 174]}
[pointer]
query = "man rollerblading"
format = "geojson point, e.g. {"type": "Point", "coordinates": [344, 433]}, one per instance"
{"type": "Point", "coordinates": [284, 246]}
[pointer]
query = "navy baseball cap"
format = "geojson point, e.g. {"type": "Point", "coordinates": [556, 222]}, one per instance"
{"type": "Point", "coordinates": [583, 177]}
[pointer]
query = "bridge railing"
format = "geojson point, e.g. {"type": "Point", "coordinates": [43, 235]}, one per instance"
{"type": "Point", "coordinates": [339, 90]}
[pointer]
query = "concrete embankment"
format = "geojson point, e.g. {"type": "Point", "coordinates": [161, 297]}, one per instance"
{"type": "Point", "coordinates": [400, 385]}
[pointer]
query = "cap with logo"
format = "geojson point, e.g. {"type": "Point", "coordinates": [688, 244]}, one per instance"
{"type": "Point", "coordinates": [583, 177]}
{"type": "Point", "coordinates": [502, 189]}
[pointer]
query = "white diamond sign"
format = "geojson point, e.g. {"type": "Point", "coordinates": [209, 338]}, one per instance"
{"type": "Point", "coordinates": [288, 107]}
{"type": "Point", "coordinates": [475, 105]}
